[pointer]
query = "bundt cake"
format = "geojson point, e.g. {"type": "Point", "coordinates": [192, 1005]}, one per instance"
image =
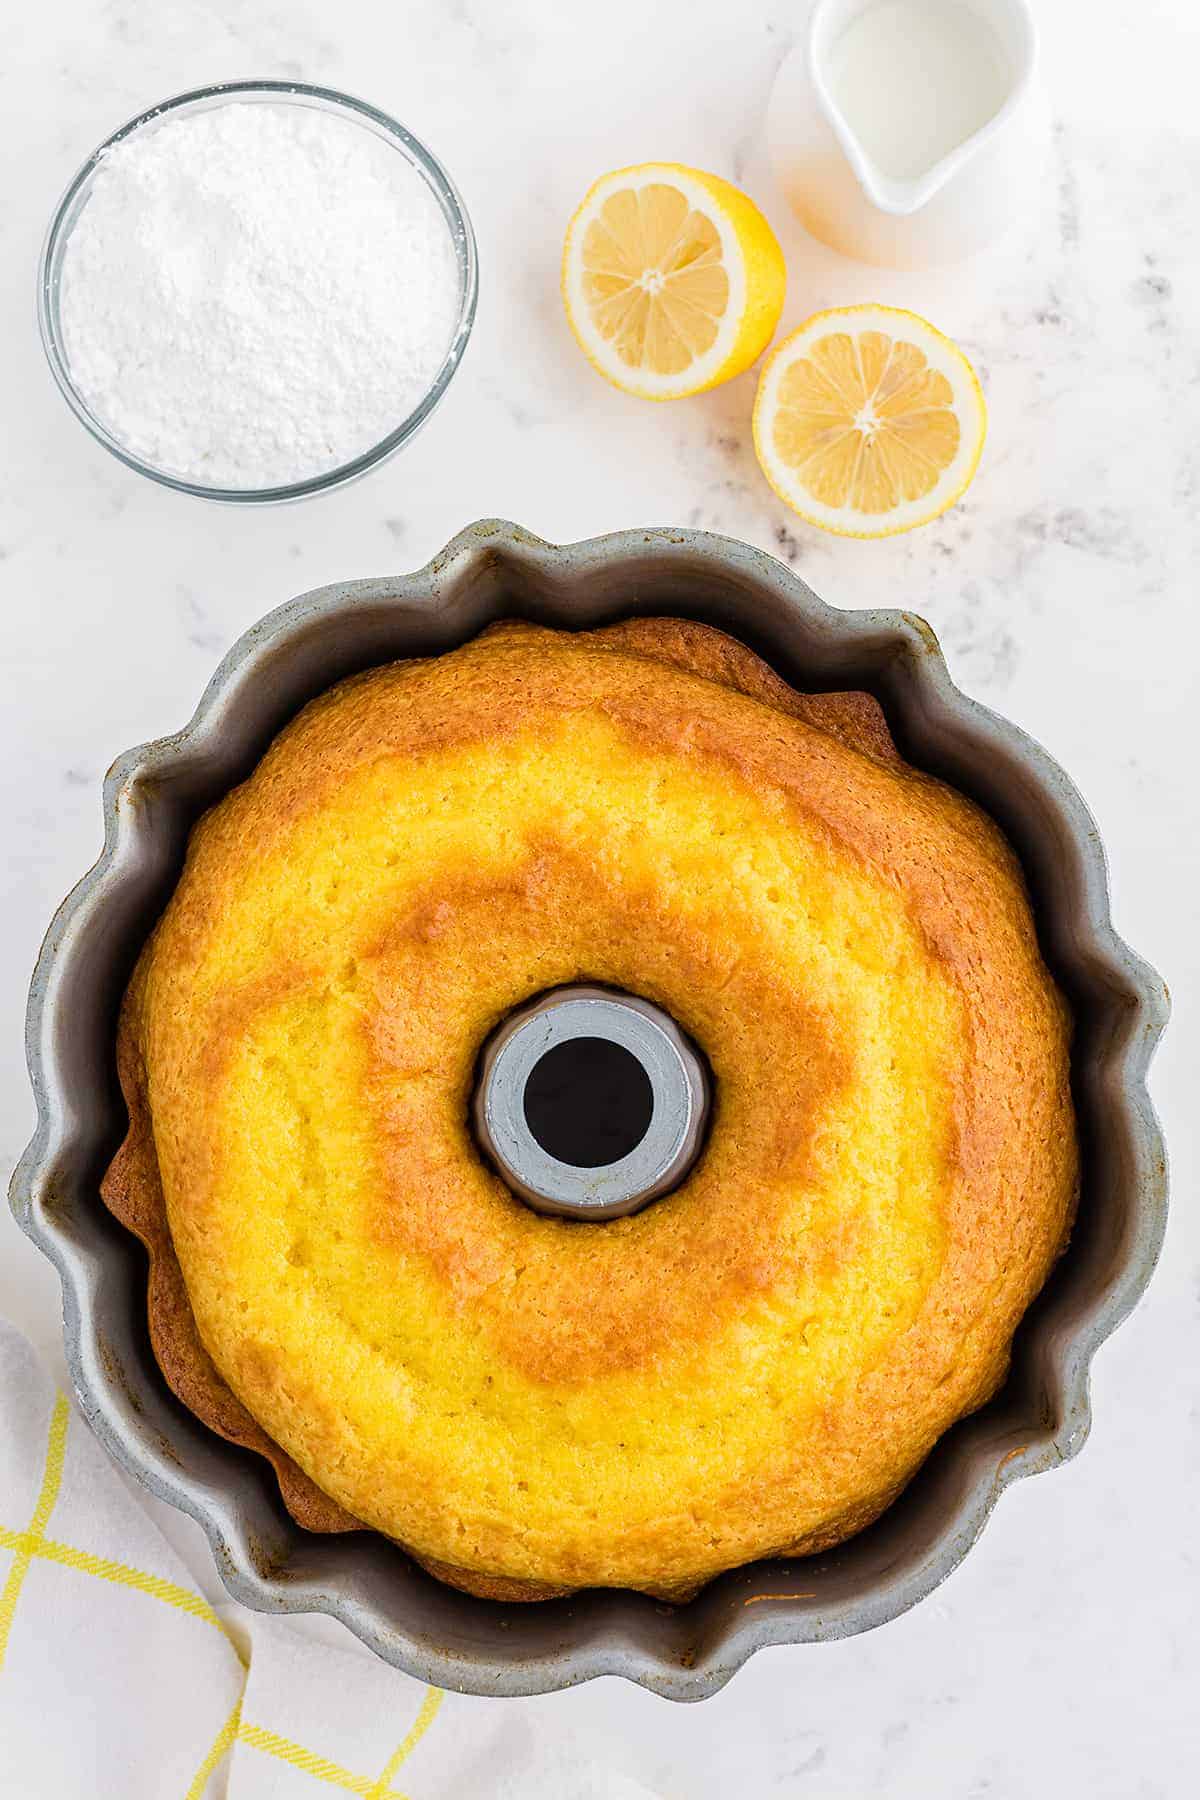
{"type": "Point", "coordinates": [756, 1363]}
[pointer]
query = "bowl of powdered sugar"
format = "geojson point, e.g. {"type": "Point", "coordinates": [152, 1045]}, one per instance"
{"type": "Point", "coordinates": [257, 291]}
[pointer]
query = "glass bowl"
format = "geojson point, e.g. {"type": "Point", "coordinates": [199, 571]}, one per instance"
{"type": "Point", "coordinates": [292, 93]}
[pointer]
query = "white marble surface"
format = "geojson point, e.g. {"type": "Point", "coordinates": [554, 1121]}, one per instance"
{"type": "Point", "coordinates": [1063, 1657]}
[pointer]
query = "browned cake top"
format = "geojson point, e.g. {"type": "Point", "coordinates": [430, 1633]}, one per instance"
{"type": "Point", "coordinates": [758, 1361]}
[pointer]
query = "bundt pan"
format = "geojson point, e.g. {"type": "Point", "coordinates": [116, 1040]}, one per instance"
{"type": "Point", "coordinates": [152, 796]}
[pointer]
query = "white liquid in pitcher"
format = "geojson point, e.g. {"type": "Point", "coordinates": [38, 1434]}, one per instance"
{"type": "Point", "coordinates": [913, 79]}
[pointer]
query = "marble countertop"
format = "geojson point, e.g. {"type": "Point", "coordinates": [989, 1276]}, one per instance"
{"type": "Point", "coordinates": [1063, 1656]}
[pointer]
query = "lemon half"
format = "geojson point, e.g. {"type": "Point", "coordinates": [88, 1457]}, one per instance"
{"type": "Point", "coordinates": [673, 281]}
{"type": "Point", "coordinates": [869, 421]}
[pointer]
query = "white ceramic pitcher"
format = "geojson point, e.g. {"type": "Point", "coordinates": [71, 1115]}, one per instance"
{"type": "Point", "coordinates": [944, 211]}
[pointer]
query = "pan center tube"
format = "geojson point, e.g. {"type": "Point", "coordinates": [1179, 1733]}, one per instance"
{"type": "Point", "coordinates": [590, 1102]}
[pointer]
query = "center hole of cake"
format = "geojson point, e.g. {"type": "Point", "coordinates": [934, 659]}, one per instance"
{"type": "Point", "coordinates": [588, 1102]}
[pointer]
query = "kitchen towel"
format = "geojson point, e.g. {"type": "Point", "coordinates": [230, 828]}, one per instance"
{"type": "Point", "coordinates": [118, 1680]}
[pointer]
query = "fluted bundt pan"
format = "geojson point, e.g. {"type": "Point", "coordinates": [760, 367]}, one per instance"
{"type": "Point", "coordinates": [153, 795]}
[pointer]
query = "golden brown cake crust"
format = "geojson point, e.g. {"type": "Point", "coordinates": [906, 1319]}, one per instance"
{"type": "Point", "coordinates": [673, 1276]}
{"type": "Point", "coordinates": [133, 1192]}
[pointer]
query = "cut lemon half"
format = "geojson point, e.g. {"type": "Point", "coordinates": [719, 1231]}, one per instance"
{"type": "Point", "coordinates": [673, 281]}
{"type": "Point", "coordinates": [868, 421]}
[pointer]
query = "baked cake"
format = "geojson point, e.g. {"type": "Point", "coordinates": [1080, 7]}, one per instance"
{"type": "Point", "coordinates": [755, 1364]}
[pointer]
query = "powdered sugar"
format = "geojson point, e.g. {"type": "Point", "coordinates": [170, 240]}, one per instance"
{"type": "Point", "coordinates": [257, 293]}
